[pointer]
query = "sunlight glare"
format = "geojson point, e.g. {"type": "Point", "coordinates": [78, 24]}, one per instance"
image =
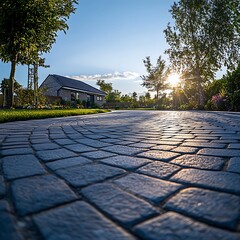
{"type": "Point", "coordinates": [173, 79]}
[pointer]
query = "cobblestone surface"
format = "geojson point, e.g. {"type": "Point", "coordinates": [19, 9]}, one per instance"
{"type": "Point", "coordinates": [21, 166]}
{"type": "Point", "coordinates": [122, 175]}
{"type": "Point", "coordinates": [120, 205]}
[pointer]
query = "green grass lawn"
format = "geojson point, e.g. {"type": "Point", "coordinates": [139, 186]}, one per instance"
{"type": "Point", "coordinates": [17, 115]}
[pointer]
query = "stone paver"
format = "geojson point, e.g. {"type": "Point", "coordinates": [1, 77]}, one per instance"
{"type": "Point", "coordinates": [8, 228]}
{"type": "Point", "coordinates": [220, 152]}
{"type": "Point", "coordinates": [64, 142]}
{"type": "Point", "coordinates": [49, 155]}
{"type": "Point", "coordinates": [68, 162]}
{"type": "Point", "coordinates": [198, 161]}
{"type": "Point", "coordinates": [93, 143]}
{"type": "Point", "coordinates": [223, 181]}
{"type": "Point", "coordinates": [153, 189]}
{"type": "Point", "coordinates": [45, 146]}
{"type": "Point", "coordinates": [171, 226]}
{"type": "Point", "coordinates": [118, 204]}
{"type": "Point", "coordinates": [234, 165]}
{"type": "Point", "coordinates": [37, 193]}
{"type": "Point", "coordinates": [159, 155]}
{"type": "Point", "coordinates": [80, 148]}
{"type": "Point", "coordinates": [21, 166]}
{"type": "Point", "coordinates": [234, 145]}
{"type": "Point", "coordinates": [159, 169]}
{"type": "Point", "coordinates": [126, 162]}
{"type": "Point", "coordinates": [78, 221]}
{"type": "Point", "coordinates": [201, 204]}
{"type": "Point", "coordinates": [79, 176]}
{"type": "Point", "coordinates": [203, 144]}
{"type": "Point", "coordinates": [122, 175]}
{"type": "Point", "coordinates": [16, 151]}
{"type": "Point", "coordinates": [2, 187]}
{"type": "Point", "coordinates": [124, 150]}
{"type": "Point", "coordinates": [99, 154]}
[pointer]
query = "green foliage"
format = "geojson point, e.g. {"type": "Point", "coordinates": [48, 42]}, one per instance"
{"type": "Point", "coordinates": [215, 87]}
{"type": "Point", "coordinates": [224, 94]}
{"type": "Point", "coordinates": [225, 15]}
{"type": "Point", "coordinates": [29, 27]}
{"type": "Point", "coordinates": [157, 76]}
{"type": "Point", "coordinates": [105, 87]}
{"type": "Point", "coordinates": [25, 97]}
{"type": "Point", "coordinates": [179, 98]}
{"type": "Point", "coordinates": [232, 87]}
{"type": "Point", "coordinates": [198, 44]}
{"type": "Point", "coordinates": [126, 98]}
{"type": "Point", "coordinates": [147, 95]}
{"type": "Point", "coordinates": [186, 106]}
{"type": "Point", "coordinates": [5, 85]}
{"type": "Point", "coordinates": [113, 97]}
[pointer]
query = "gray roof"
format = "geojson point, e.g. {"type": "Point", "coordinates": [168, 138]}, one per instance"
{"type": "Point", "coordinates": [66, 82]}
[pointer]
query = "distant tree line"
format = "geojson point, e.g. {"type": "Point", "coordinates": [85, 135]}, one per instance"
{"type": "Point", "coordinates": [221, 94]}
{"type": "Point", "coordinates": [115, 99]}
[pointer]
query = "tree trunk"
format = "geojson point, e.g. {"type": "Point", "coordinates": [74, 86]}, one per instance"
{"type": "Point", "coordinates": [36, 85]}
{"type": "Point", "coordinates": [157, 93]}
{"type": "Point", "coordinates": [10, 103]}
{"type": "Point", "coordinates": [4, 97]}
{"type": "Point", "coordinates": [200, 90]}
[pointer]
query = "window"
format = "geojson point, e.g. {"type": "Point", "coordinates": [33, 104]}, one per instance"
{"type": "Point", "coordinates": [99, 98]}
{"type": "Point", "coordinates": [73, 96]}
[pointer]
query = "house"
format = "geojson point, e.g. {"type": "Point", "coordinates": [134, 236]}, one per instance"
{"type": "Point", "coordinates": [69, 89]}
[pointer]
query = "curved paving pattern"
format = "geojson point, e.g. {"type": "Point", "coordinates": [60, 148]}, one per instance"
{"type": "Point", "coordinates": [122, 175]}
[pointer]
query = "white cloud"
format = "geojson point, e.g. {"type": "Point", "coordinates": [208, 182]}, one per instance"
{"type": "Point", "coordinates": [108, 76]}
{"type": "Point", "coordinates": [138, 81]}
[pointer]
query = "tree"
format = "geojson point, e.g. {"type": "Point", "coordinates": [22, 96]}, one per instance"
{"type": "Point", "coordinates": [134, 96]}
{"type": "Point", "coordinates": [198, 44]}
{"type": "Point", "coordinates": [157, 76]}
{"type": "Point", "coordinates": [142, 101]}
{"type": "Point", "coordinates": [105, 87]}
{"type": "Point", "coordinates": [29, 28]}
{"type": "Point", "coordinates": [126, 98]}
{"type": "Point", "coordinates": [134, 102]}
{"type": "Point", "coordinates": [38, 62]}
{"type": "Point", "coordinates": [148, 95]}
{"type": "Point", "coordinates": [113, 97]}
{"type": "Point", "coordinates": [4, 87]}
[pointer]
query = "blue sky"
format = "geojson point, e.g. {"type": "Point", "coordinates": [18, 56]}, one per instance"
{"type": "Point", "coordinates": [107, 39]}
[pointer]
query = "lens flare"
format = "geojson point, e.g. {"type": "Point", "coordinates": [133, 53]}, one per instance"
{"type": "Point", "coordinates": [173, 79]}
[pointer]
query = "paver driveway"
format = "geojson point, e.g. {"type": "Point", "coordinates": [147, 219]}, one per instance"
{"type": "Point", "coordinates": [123, 175]}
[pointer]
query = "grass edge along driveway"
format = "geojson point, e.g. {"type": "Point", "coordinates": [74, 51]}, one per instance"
{"type": "Point", "coordinates": [20, 115]}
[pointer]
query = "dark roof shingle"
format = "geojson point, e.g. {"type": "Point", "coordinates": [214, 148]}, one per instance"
{"type": "Point", "coordinates": [76, 84]}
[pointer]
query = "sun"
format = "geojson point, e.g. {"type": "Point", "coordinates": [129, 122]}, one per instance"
{"type": "Point", "coordinates": [173, 79]}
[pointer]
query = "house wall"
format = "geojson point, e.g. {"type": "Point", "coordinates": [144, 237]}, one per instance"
{"type": "Point", "coordinates": [82, 96]}
{"type": "Point", "coordinates": [50, 86]}
{"type": "Point", "coordinates": [65, 94]}
{"type": "Point", "coordinates": [99, 102]}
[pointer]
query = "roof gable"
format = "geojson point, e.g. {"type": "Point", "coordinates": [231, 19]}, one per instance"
{"type": "Point", "coordinates": [66, 82]}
